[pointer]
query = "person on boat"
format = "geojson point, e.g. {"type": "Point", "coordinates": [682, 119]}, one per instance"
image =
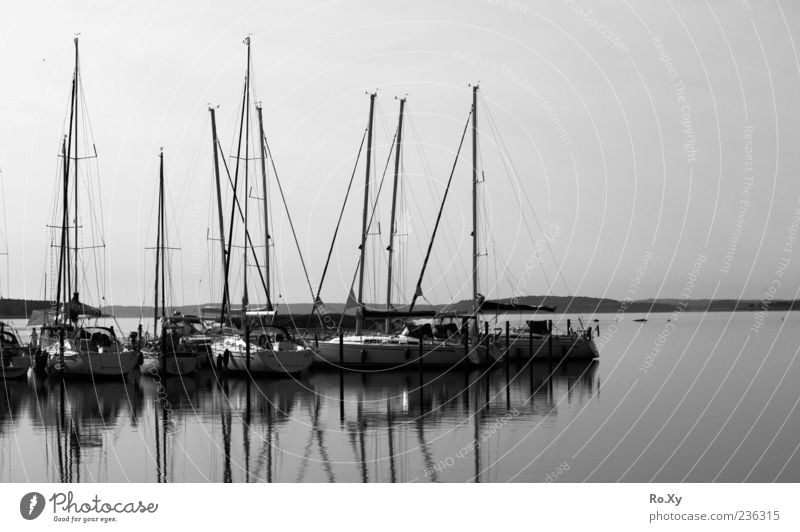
{"type": "Point", "coordinates": [263, 341]}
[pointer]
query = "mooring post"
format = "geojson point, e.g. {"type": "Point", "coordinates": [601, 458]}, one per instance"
{"type": "Point", "coordinates": [341, 347]}
{"type": "Point", "coordinates": [508, 343]}
{"type": "Point", "coordinates": [486, 338]}
{"type": "Point", "coordinates": [507, 363]}
{"type": "Point", "coordinates": [341, 396]}
{"type": "Point", "coordinates": [465, 337]}
{"type": "Point", "coordinates": [530, 352]}
{"type": "Point", "coordinates": [550, 339]}
{"type": "Point", "coordinates": [341, 375]}
{"type": "Point", "coordinates": [420, 359]}
{"type": "Point", "coordinates": [530, 340]}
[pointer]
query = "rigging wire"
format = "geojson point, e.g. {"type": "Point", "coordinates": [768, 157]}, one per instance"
{"type": "Point", "coordinates": [508, 162]}
{"type": "Point", "coordinates": [289, 216]}
{"type": "Point", "coordinates": [449, 251]}
{"type": "Point", "coordinates": [93, 197]}
{"type": "Point", "coordinates": [4, 234]}
{"type": "Point", "coordinates": [372, 215]}
{"type": "Point", "coordinates": [341, 214]}
{"type": "Point", "coordinates": [418, 286]}
{"type": "Point", "coordinates": [237, 207]}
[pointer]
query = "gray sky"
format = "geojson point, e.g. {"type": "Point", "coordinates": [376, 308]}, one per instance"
{"type": "Point", "coordinates": [630, 129]}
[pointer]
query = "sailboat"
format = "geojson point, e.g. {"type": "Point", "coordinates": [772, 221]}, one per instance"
{"type": "Point", "coordinates": [538, 339]}
{"type": "Point", "coordinates": [260, 346]}
{"type": "Point", "coordinates": [448, 346]}
{"type": "Point", "coordinates": [73, 346]}
{"type": "Point", "coordinates": [15, 359]}
{"type": "Point", "coordinates": [168, 353]}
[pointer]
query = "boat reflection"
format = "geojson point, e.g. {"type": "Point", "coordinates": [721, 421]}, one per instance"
{"type": "Point", "coordinates": [328, 426]}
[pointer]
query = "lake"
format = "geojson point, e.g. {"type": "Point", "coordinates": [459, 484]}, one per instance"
{"type": "Point", "coordinates": [698, 398]}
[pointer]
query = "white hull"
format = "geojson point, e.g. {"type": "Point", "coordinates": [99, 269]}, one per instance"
{"type": "Point", "coordinates": [286, 359]}
{"type": "Point", "coordinates": [92, 363]}
{"type": "Point", "coordinates": [570, 347]}
{"type": "Point", "coordinates": [395, 353]}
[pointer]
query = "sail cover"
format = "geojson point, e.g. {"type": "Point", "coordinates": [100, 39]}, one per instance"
{"type": "Point", "coordinates": [77, 309]}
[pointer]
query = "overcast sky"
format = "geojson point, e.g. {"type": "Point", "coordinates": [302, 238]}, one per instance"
{"type": "Point", "coordinates": [642, 151]}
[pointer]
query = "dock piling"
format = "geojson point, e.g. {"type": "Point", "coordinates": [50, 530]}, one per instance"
{"type": "Point", "coordinates": [341, 347]}
{"type": "Point", "coordinates": [421, 363]}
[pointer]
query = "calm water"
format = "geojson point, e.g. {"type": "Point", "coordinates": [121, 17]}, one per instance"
{"type": "Point", "coordinates": [708, 401]}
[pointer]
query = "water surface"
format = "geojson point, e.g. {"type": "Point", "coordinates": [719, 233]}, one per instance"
{"type": "Point", "coordinates": [697, 398]}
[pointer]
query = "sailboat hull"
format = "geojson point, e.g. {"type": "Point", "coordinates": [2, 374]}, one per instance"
{"type": "Point", "coordinates": [231, 356]}
{"type": "Point", "coordinates": [398, 355]}
{"type": "Point", "coordinates": [93, 363]}
{"type": "Point", "coordinates": [15, 367]}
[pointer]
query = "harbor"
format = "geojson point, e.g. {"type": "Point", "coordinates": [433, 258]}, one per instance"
{"type": "Point", "coordinates": [422, 243]}
{"type": "Point", "coordinates": [529, 421]}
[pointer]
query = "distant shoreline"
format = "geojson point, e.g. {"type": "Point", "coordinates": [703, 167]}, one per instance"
{"type": "Point", "coordinates": [22, 308]}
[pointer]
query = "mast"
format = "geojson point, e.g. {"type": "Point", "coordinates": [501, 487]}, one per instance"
{"type": "Point", "coordinates": [220, 216]}
{"type": "Point", "coordinates": [75, 177]}
{"type": "Point", "coordinates": [162, 224]}
{"type": "Point", "coordinates": [61, 258]}
{"type": "Point", "coordinates": [245, 321]}
{"type": "Point", "coordinates": [65, 276]}
{"type": "Point", "coordinates": [234, 203]}
{"type": "Point", "coordinates": [162, 251]}
{"type": "Point", "coordinates": [394, 207]}
{"type": "Point", "coordinates": [266, 205]}
{"type": "Point", "coordinates": [158, 242]}
{"type": "Point", "coordinates": [475, 303]}
{"type": "Point", "coordinates": [363, 246]}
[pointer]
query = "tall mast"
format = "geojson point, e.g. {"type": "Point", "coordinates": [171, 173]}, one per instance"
{"type": "Point", "coordinates": [163, 236]}
{"type": "Point", "coordinates": [158, 243]}
{"type": "Point", "coordinates": [220, 216]}
{"type": "Point", "coordinates": [234, 203]}
{"type": "Point", "coordinates": [62, 273]}
{"type": "Point", "coordinates": [246, 193]}
{"type": "Point", "coordinates": [394, 208]}
{"type": "Point", "coordinates": [475, 198]}
{"type": "Point", "coordinates": [266, 205]}
{"type": "Point", "coordinates": [75, 177]}
{"type": "Point", "coordinates": [363, 246]}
